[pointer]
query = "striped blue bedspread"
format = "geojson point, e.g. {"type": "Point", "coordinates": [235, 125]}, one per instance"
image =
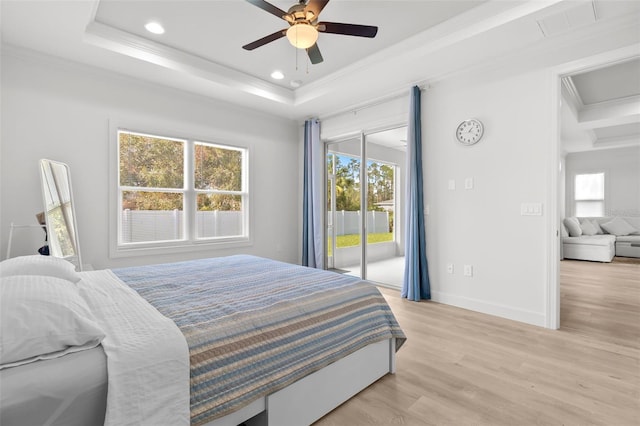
{"type": "Point", "coordinates": [254, 326]}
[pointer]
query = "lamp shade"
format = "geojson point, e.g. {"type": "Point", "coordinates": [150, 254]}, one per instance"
{"type": "Point", "coordinates": [302, 35]}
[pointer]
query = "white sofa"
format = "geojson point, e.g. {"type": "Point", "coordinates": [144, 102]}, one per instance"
{"type": "Point", "coordinates": [588, 239]}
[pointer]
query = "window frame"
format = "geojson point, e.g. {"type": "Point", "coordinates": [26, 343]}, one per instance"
{"type": "Point", "coordinates": [190, 242]}
{"type": "Point", "coordinates": [603, 200]}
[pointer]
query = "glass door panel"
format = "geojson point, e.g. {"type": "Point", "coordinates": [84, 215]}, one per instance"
{"type": "Point", "coordinates": [344, 235]}
{"type": "Point", "coordinates": [385, 179]}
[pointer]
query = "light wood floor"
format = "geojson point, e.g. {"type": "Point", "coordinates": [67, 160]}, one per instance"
{"type": "Point", "coordinates": [464, 368]}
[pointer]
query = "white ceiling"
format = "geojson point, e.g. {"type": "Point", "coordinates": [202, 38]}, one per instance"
{"type": "Point", "coordinates": [217, 30]}
{"type": "Point", "coordinates": [418, 41]}
{"type": "Point", "coordinates": [602, 107]}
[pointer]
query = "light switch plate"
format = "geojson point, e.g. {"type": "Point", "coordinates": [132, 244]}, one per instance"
{"type": "Point", "coordinates": [468, 270]}
{"type": "Point", "coordinates": [452, 184]}
{"type": "Point", "coordinates": [468, 183]}
{"type": "Point", "coordinates": [531, 209]}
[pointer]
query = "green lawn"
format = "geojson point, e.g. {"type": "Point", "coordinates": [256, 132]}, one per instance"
{"type": "Point", "coordinates": [354, 239]}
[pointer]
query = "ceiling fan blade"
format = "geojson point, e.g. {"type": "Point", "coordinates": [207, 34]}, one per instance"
{"type": "Point", "coordinates": [314, 54]}
{"type": "Point", "coordinates": [348, 29]}
{"type": "Point", "coordinates": [264, 40]}
{"type": "Point", "coordinates": [316, 6]}
{"type": "Point", "coordinates": [268, 7]}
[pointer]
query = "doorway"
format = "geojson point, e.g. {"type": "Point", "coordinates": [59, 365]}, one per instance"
{"type": "Point", "coordinates": [365, 187]}
{"type": "Point", "coordinates": [558, 210]}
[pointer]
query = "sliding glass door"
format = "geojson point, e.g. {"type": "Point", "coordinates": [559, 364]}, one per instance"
{"type": "Point", "coordinates": [364, 224]}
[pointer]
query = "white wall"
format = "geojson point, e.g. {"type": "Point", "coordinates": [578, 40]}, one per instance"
{"type": "Point", "coordinates": [483, 226]}
{"type": "Point", "coordinates": [622, 178]}
{"type": "Point", "coordinates": [59, 110]}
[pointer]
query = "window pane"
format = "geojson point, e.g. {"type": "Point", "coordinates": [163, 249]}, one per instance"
{"type": "Point", "coordinates": [151, 216]}
{"type": "Point", "coordinates": [590, 186]}
{"type": "Point", "coordinates": [347, 220]}
{"type": "Point", "coordinates": [590, 208]}
{"type": "Point", "coordinates": [219, 215]}
{"type": "Point", "coordinates": [151, 162]}
{"type": "Point", "coordinates": [218, 168]}
{"type": "Point", "coordinates": [380, 200]}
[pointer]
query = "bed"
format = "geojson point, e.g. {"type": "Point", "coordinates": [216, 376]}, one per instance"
{"type": "Point", "coordinates": [218, 341]}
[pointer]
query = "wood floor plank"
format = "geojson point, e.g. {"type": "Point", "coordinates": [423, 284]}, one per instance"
{"type": "Point", "coordinates": [464, 368]}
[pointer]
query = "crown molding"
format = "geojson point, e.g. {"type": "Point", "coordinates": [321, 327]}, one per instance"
{"type": "Point", "coordinates": [616, 142]}
{"type": "Point", "coordinates": [610, 113]}
{"type": "Point", "coordinates": [122, 42]}
{"type": "Point", "coordinates": [571, 95]}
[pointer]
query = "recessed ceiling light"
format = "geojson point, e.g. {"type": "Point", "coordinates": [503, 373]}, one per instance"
{"type": "Point", "coordinates": [295, 83]}
{"type": "Point", "coordinates": [277, 75]}
{"type": "Point", "coordinates": [154, 27]}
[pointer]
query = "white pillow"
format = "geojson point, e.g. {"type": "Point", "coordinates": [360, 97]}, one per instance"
{"type": "Point", "coordinates": [618, 226]}
{"type": "Point", "coordinates": [588, 228]}
{"type": "Point", "coordinates": [39, 265]}
{"type": "Point", "coordinates": [573, 226]}
{"type": "Point", "coordinates": [43, 317]}
{"type": "Point", "coordinates": [596, 225]}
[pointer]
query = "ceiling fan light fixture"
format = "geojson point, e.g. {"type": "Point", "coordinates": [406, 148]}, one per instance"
{"type": "Point", "coordinates": [302, 35]}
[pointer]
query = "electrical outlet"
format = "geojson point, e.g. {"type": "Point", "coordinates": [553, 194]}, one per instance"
{"type": "Point", "coordinates": [468, 270]}
{"type": "Point", "coordinates": [450, 268]}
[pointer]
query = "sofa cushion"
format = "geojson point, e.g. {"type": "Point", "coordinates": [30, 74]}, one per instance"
{"type": "Point", "coordinates": [618, 226]}
{"type": "Point", "coordinates": [587, 227]}
{"type": "Point", "coordinates": [573, 226]}
{"type": "Point", "coordinates": [592, 240]}
{"type": "Point", "coordinates": [596, 225]}
{"type": "Point", "coordinates": [628, 239]}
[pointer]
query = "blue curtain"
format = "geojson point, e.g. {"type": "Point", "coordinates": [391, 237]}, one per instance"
{"type": "Point", "coordinates": [416, 272]}
{"type": "Point", "coordinates": [312, 232]}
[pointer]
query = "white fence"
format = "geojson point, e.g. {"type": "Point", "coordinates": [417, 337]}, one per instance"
{"type": "Point", "coordinates": [158, 225]}
{"type": "Point", "coordinates": [347, 222]}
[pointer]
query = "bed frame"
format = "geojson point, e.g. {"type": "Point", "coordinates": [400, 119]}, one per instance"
{"type": "Point", "coordinates": [315, 395]}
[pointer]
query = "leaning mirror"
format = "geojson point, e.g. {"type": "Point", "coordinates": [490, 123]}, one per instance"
{"type": "Point", "coordinates": [60, 216]}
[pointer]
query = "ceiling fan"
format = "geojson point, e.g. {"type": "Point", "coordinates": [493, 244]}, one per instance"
{"type": "Point", "coordinates": [304, 27]}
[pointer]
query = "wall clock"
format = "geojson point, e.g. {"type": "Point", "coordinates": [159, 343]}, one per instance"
{"type": "Point", "coordinates": [469, 131]}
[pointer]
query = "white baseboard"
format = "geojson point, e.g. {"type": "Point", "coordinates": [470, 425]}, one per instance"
{"type": "Point", "coordinates": [528, 317]}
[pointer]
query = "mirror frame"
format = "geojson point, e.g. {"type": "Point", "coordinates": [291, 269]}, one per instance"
{"type": "Point", "coordinates": [62, 228]}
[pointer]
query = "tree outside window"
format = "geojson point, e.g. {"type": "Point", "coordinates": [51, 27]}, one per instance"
{"type": "Point", "coordinates": [380, 196]}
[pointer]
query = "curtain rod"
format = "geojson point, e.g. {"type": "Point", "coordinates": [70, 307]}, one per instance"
{"type": "Point", "coordinates": [373, 103]}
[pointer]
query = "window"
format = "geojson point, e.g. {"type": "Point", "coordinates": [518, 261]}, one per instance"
{"type": "Point", "coordinates": [589, 195]}
{"type": "Point", "coordinates": [174, 192]}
